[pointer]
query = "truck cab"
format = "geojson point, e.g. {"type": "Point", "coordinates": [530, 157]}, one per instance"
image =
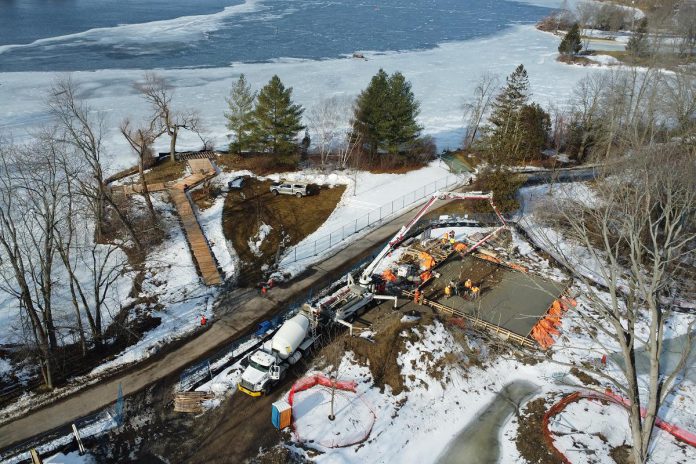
{"type": "Point", "coordinates": [262, 369]}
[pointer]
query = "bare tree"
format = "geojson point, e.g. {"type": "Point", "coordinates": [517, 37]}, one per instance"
{"type": "Point", "coordinates": [476, 110]}
{"type": "Point", "coordinates": [141, 139]}
{"type": "Point", "coordinates": [586, 14]}
{"type": "Point", "coordinates": [328, 120]}
{"type": "Point", "coordinates": [680, 101]}
{"type": "Point", "coordinates": [81, 128]}
{"type": "Point", "coordinates": [158, 93]}
{"type": "Point", "coordinates": [30, 206]}
{"type": "Point", "coordinates": [685, 19]}
{"type": "Point", "coordinates": [638, 236]}
{"type": "Point", "coordinates": [92, 268]}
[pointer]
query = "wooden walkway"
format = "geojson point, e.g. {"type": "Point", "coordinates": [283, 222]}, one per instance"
{"type": "Point", "coordinates": [201, 169]}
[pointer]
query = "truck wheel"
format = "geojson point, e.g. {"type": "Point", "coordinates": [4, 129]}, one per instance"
{"type": "Point", "coordinates": [298, 195]}
{"type": "Point", "coordinates": [275, 193]}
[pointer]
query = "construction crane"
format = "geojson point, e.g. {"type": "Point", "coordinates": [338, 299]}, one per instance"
{"type": "Point", "coordinates": [366, 276]}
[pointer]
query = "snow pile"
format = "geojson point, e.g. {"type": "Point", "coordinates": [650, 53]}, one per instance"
{"type": "Point", "coordinates": [256, 241]}
{"type": "Point", "coordinates": [604, 60]}
{"type": "Point", "coordinates": [5, 367]}
{"type": "Point", "coordinates": [224, 384]}
{"type": "Point", "coordinates": [589, 425]}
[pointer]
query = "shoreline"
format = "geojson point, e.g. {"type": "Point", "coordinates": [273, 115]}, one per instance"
{"type": "Point", "coordinates": [443, 78]}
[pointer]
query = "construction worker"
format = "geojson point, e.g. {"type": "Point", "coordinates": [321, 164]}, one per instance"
{"type": "Point", "coordinates": [416, 296]}
{"type": "Point", "coordinates": [455, 287]}
{"type": "Point", "coordinates": [448, 291]}
{"type": "Point", "coordinates": [475, 292]}
{"type": "Point", "coordinates": [445, 238]}
{"type": "Point", "coordinates": [467, 287]}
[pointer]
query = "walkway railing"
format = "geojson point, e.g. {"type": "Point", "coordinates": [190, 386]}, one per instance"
{"type": "Point", "coordinates": [379, 215]}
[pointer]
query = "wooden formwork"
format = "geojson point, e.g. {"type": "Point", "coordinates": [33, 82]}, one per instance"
{"type": "Point", "coordinates": [476, 322]}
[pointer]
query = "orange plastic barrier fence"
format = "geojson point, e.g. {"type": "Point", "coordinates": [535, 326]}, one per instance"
{"type": "Point", "coordinates": [318, 379]}
{"type": "Point", "coordinates": [674, 430]}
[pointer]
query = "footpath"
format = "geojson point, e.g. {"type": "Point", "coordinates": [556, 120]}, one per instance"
{"type": "Point", "coordinates": [238, 316]}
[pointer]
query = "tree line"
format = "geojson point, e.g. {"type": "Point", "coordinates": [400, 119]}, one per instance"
{"type": "Point", "coordinates": [379, 124]}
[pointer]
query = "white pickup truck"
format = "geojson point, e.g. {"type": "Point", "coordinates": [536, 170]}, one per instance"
{"type": "Point", "coordinates": [299, 189]}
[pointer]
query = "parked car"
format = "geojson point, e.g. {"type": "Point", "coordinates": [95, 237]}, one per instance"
{"type": "Point", "coordinates": [299, 189]}
{"type": "Point", "coordinates": [235, 183]}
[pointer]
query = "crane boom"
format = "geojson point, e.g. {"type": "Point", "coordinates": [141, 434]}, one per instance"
{"type": "Point", "coordinates": [366, 276]}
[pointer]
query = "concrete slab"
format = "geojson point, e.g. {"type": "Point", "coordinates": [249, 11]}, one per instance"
{"type": "Point", "coordinates": [510, 299]}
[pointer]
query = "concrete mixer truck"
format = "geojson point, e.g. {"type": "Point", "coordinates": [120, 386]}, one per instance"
{"type": "Point", "coordinates": [267, 365]}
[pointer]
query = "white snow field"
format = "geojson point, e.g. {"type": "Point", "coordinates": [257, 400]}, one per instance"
{"type": "Point", "coordinates": [443, 78]}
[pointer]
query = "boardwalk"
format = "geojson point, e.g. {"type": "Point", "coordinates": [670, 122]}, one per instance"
{"type": "Point", "coordinates": [201, 170]}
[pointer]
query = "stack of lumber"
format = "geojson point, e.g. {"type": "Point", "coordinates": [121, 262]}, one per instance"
{"type": "Point", "coordinates": [191, 402]}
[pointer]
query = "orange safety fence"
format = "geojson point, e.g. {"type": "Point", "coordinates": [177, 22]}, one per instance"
{"type": "Point", "coordinates": [308, 382]}
{"type": "Point", "coordinates": [674, 430]}
{"type": "Point", "coordinates": [517, 267]}
{"type": "Point", "coordinates": [544, 330]}
{"type": "Point", "coordinates": [488, 258]}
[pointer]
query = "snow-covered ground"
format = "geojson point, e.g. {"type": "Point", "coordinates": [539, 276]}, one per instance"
{"type": "Point", "coordinates": [368, 197]}
{"type": "Point", "coordinates": [443, 78]}
{"type": "Point", "coordinates": [171, 276]}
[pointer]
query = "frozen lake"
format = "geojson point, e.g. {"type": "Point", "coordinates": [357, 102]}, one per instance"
{"type": "Point", "coordinates": [101, 34]}
{"type": "Point", "coordinates": [441, 46]}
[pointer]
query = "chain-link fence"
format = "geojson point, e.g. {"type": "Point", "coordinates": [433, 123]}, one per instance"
{"type": "Point", "coordinates": [378, 215]}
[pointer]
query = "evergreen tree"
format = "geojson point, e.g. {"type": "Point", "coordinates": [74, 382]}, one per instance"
{"type": "Point", "coordinates": [240, 117]}
{"type": "Point", "coordinates": [535, 127]}
{"type": "Point", "coordinates": [402, 110]}
{"type": "Point", "coordinates": [571, 43]}
{"type": "Point", "coordinates": [637, 45]}
{"type": "Point", "coordinates": [277, 120]}
{"type": "Point", "coordinates": [385, 114]}
{"type": "Point", "coordinates": [370, 119]}
{"type": "Point", "coordinates": [504, 136]}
